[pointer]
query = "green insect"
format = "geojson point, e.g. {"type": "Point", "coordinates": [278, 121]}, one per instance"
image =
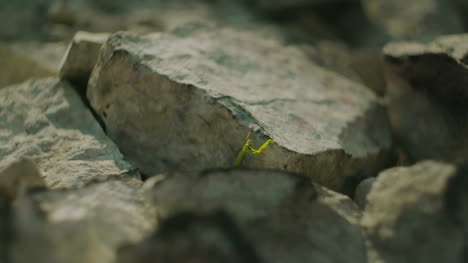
{"type": "Point", "coordinates": [247, 149]}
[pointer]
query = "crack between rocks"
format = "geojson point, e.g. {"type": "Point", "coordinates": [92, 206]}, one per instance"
{"type": "Point", "coordinates": [266, 102]}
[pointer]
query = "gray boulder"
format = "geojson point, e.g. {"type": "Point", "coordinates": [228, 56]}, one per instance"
{"type": "Point", "coordinates": [79, 225]}
{"type": "Point", "coordinates": [418, 214]}
{"type": "Point", "coordinates": [285, 217]}
{"type": "Point", "coordinates": [46, 121]}
{"type": "Point", "coordinates": [194, 238]}
{"type": "Point", "coordinates": [426, 88]}
{"type": "Point", "coordinates": [186, 100]}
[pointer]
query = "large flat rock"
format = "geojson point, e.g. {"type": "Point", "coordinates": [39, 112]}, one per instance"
{"type": "Point", "coordinates": [426, 88]}
{"type": "Point", "coordinates": [47, 121]}
{"type": "Point", "coordinates": [79, 225]}
{"type": "Point", "coordinates": [418, 214]}
{"type": "Point", "coordinates": [282, 217]}
{"type": "Point", "coordinates": [185, 100]}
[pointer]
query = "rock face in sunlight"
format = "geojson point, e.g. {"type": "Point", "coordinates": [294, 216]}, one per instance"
{"type": "Point", "coordinates": [79, 225]}
{"type": "Point", "coordinates": [283, 217]}
{"type": "Point", "coordinates": [46, 121]}
{"type": "Point", "coordinates": [418, 214]}
{"type": "Point", "coordinates": [426, 86]}
{"type": "Point", "coordinates": [186, 100]}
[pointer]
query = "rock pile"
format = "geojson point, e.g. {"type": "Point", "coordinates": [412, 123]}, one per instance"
{"type": "Point", "coordinates": [122, 147]}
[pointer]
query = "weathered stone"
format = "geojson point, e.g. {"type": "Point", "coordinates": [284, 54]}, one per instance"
{"type": "Point", "coordinates": [20, 176]}
{"type": "Point", "coordinates": [80, 225]}
{"type": "Point", "coordinates": [23, 61]}
{"type": "Point", "coordinates": [81, 56]}
{"type": "Point", "coordinates": [187, 99]}
{"type": "Point", "coordinates": [417, 19]}
{"type": "Point", "coordinates": [46, 121]}
{"type": "Point", "coordinates": [426, 86]}
{"type": "Point", "coordinates": [362, 190]}
{"type": "Point", "coordinates": [286, 217]}
{"type": "Point", "coordinates": [361, 65]}
{"type": "Point", "coordinates": [189, 237]}
{"type": "Point", "coordinates": [418, 214]}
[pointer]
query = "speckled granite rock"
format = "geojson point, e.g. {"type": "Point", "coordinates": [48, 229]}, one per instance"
{"type": "Point", "coordinates": [426, 85]}
{"type": "Point", "coordinates": [79, 225]}
{"type": "Point", "coordinates": [418, 214]}
{"type": "Point", "coordinates": [285, 217]}
{"type": "Point", "coordinates": [186, 100]}
{"type": "Point", "coordinates": [46, 121]}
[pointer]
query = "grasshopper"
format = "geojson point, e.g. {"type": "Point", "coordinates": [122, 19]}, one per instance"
{"type": "Point", "coordinates": [247, 149]}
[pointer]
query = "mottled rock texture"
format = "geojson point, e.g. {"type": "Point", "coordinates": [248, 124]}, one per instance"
{"type": "Point", "coordinates": [45, 120]}
{"type": "Point", "coordinates": [285, 217]}
{"type": "Point", "coordinates": [426, 88]}
{"type": "Point", "coordinates": [418, 214]}
{"type": "Point", "coordinates": [79, 225]}
{"type": "Point", "coordinates": [186, 100]}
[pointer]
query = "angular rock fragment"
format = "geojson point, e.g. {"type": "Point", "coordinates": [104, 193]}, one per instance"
{"type": "Point", "coordinates": [81, 56]}
{"type": "Point", "coordinates": [79, 225]}
{"type": "Point", "coordinates": [426, 85]}
{"type": "Point", "coordinates": [285, 217]}
{"type": "Point", "coordinates": [188, 237]}
{"type": "Point", "coordinates": [46, 121]}
{"type": "Point", "coordinates": [418, 214]}
{"type": "Point", "coordinates": [417, 19]}
{"type": "Point", "coordinates": [186, 100]}
{"type": "Point", "coordinates": [18, 177]}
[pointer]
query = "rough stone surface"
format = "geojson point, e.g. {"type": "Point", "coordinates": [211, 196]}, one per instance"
{"type": "Point", "coordinates": [362, 190]}
{"type": "Point", "coordinates": [361, 65]}
{"type": "Point", "coordinates": [417, 214]}
{"type": "Point", "coordinates": [426, 85]}
{"type": "Point", "coordinates": [46, 121]}
{"type": "Point", "coordinates": [187, 99]}
{"type": "Point", "coordinates": [80, 225]}
{"type": "Point", "coordinates": [81, 56]}
{"type": "Point", "coordinates": [418, 19]}
{"type": "Point", "coordinates": [189, 237]}
{"type": "Point", "coordinates": [286, 217]}
{"type": "Point", "coordinates": [20, 176]}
